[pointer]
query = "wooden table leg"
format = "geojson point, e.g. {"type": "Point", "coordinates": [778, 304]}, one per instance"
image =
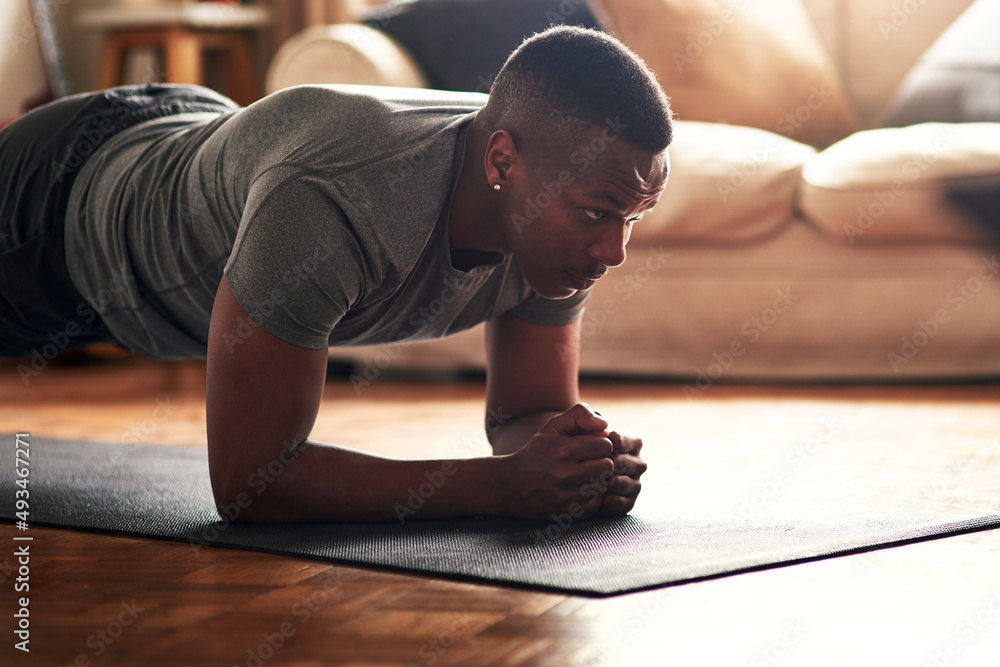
{"type": "Point", "coordinates": [183, 55]}
{"type": "Point", "coordinates": [239, 69]}
{"type": "Point", "coordinates": [112, 61]}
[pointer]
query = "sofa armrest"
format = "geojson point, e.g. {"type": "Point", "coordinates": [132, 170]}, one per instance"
{"type": "Point", "coordinates": [342, 53]}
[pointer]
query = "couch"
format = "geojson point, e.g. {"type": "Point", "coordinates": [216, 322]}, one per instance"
{"type": "Point", "coordinates": [22, 69]}
{"type": "Point", "coordinates": [777, 252]}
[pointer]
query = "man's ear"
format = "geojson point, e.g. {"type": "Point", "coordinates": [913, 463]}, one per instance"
{"type": "Point", "coordinates": [501, 155]}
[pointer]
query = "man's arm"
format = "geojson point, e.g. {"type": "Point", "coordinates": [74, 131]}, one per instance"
{"type": "Point", "coordinates": [533, 375]}
{"type": "Point", "coordinates": [262, 399]}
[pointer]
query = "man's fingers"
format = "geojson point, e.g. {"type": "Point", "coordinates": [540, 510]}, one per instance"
{"type": "Point", "coordinates": [586, 464]}
{"type": "Point", "coordinates": [575, 449]}
{"type": "Point", "coordinates": [629, 465]}
{"type": "Point", "coordinates": [590, 447]}
{"type": "Point", "coordinates": [578, 420]}
{"type": "Point", "coordinates": [625, 443]}
{"type": "Point", "coordinates": [624, 486]}
{"type": "Point", "coordinates": [597, 473]}
{"type": "Point", "coordinates": [615, 505]}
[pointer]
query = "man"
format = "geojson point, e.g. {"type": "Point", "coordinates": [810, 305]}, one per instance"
{"type": "Point", "coordinates": [324, 216]}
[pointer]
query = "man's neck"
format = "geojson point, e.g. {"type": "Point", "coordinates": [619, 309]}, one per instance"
{"type": "Point", "coordinates": [474, 230]}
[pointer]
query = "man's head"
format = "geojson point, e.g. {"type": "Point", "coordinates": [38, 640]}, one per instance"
{"type": "Point", "coordinates": [577, 131]}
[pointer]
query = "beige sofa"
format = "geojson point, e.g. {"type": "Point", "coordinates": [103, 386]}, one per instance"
{"type": "Point", "coordinates": [22, 69]}
{"type": "Point", "coordinates": [767, 258]}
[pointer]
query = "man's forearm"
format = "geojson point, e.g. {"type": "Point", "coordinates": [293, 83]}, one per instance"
{"type": "Point", "coordinates": [316, 482]}
{"type": "Point", "coordinates": [512, 435]}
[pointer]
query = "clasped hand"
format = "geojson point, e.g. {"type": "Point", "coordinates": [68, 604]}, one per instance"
{"type": "Point", "coordinates": [574, 465]}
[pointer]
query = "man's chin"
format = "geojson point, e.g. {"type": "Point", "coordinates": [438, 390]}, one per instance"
{"type": "Point", "coordinates": [556, 292]}
{"type": "Point", "coordinates": [562, 294]}
{"type": "Point", "coordinates": [559, 285]}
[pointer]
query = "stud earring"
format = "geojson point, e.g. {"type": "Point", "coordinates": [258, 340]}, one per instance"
{"type": "Point", "coordinates": [496, 186]}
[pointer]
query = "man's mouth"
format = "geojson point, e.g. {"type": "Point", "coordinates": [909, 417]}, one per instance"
{"type": "Point", "coordinates": [585, 281]}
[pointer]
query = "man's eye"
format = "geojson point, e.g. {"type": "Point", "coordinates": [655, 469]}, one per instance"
{"type": "Point", "coordinates": [595, 213]}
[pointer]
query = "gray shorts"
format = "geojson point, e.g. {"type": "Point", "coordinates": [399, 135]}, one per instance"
{"type": "Point", "coordinates": [41, 311]}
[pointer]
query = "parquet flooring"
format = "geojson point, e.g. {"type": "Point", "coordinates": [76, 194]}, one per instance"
{"type": "Point", "coordinates": [103, 600]}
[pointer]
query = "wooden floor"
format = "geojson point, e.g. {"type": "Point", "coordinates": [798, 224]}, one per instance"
{"type": "Point", "coordinates": [100, 600]}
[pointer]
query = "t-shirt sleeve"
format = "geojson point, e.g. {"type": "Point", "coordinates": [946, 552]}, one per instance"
{"type": "Point", "coordinates": [540, 310]}
{"type": "Point", "coordinates": [296, 266]}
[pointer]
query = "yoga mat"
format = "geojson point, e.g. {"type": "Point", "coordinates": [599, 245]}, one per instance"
{"type": "Point", "coordinates": [163, 492]}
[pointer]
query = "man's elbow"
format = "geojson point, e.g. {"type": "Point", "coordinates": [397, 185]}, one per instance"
{"type": "Point", "coordinates": [242, 497]}
{"type": "Point", "coordinates": [235, 507]}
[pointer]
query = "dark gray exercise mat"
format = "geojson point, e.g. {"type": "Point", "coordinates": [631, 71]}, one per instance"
{"type": "Point", "coordinates": [163, 492]}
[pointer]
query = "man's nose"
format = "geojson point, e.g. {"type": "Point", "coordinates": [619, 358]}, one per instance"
{"type": "Point", "coordinates": [609, 247]}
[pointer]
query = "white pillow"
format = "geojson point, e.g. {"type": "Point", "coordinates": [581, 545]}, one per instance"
{"type": "Point", "coordinates": [343, 53]}
{"type": "Point", "coordinates": [886, 184]}
{"type": "Point", "coordinates": [746, 62]}
{"type": "Point", "coordinates": [727, 183]}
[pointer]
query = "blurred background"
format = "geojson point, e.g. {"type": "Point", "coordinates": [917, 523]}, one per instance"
{"type": "Point", "coordinates": [80, 27]}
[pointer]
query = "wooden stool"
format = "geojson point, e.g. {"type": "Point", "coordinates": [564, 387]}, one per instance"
{"type": "Point", "coordinates": [183, 31]}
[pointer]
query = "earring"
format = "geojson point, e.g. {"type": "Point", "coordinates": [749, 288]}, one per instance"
{"type": "Point", "coordinates": [496, 186]}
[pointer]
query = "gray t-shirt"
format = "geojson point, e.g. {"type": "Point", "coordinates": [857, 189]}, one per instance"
{"type": "Point", "coordinates": [325, 206]}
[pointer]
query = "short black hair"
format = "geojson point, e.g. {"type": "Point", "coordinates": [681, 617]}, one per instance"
{"type": "Point", "coordinates": [569, 78]}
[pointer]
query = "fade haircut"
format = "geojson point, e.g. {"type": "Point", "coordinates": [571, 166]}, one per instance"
{"type": "Point", "coordinates": [560, 82]}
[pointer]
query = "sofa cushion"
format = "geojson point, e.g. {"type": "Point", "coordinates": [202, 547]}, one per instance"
{"type": "Point", "coordinates": [879, 41]}
{"type": "Point", "coordinates": [887, 184]}
{"type": "Point", "coordinates": [461, 44]}
{"type": "Point", "coordinates": [342, 53]}
{"type": "Point", "coordinates": [745, 63]}
{"type": "Point", "coordinates": [958, 78]}
{"type": "Point", "coordinates": [978, 198]}
{"type": "Point", "coordinates": [22, 69]}
{"type": "Point", "coordinates": [727, 184]}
